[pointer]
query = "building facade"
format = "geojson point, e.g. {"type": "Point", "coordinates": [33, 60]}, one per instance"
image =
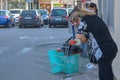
{"type": "Point", "coordinates": [116, 64]}
{"type": "Point", "coordinates": [45, 4]}
{"type": "Point", "coordinates": [10, 4]}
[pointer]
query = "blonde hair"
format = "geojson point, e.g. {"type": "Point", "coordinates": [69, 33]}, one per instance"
{"type": "Point", "coordinates": [81, 13]}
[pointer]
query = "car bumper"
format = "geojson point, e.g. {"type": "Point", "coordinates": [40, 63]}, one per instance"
{"type": "Point", "coordinates": [29, 23]}
{"type": "Point", "coordinates": [58, 22]}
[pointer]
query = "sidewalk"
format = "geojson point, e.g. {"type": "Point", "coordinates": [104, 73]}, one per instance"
{"type": "Point", "coordinates": [88, 74]}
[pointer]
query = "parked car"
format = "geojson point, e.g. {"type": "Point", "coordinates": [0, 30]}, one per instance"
{"type": "Point", "coordinates": [45, 15]}
{"type": "Point", "coordinates": [15, 13]}
{"type": "Point", "coordinates": [6, 19]}
{"type": "Point", "coordinates": [41, 18]}
{"type": "Point", "coordinates": [29, 18]}
{"type": "Point", "coordinates": [58, 16]}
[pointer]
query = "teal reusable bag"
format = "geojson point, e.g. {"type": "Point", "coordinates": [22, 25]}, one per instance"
{"type": "Point", "coordinates": [71, 64]}
{"type": "Point", "coordinates": [56, 61]}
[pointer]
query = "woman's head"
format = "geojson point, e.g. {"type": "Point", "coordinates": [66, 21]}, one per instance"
{"type": "Point", "coordinates": [93, 6]}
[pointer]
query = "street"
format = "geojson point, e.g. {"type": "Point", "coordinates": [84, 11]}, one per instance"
{"type": "Point", "coordinates": [23, 53]}
{"type": "Point", "coordinates": [17, 54]}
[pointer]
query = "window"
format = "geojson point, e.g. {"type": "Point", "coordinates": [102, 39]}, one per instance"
{"type": "Point", "coordinates": [15, 11]}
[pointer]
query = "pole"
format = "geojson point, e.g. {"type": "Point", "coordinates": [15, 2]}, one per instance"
{"type": "Point", "coordinates": [39, 4]}
{"type": "Point", "coordinates": [19, 4]}
{"type": "Point", "coordinates": [27, 6]}
{"type": "Point", "coordinates": [6, 3]}
{"type": "Point", "coordinates": [1, 2]}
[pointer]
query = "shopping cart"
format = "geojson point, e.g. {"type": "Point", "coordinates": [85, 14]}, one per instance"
{"type": "Point", "coordinates": [59, 63]}
{"type": "Point", "coordinates": [60, 59]}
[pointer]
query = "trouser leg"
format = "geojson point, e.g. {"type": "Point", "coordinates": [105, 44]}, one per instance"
{"type": "Point", "coordinates": [105, 69]}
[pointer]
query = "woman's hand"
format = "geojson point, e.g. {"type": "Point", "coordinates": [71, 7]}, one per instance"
{"type": "Point", "coordinates": [81, 37]}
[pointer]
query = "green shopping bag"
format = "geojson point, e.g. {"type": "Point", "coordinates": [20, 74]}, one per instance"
{"type": "Point", "coordinates": [71, 64]}
{"type": "Point", "coordinates": [56, 61]}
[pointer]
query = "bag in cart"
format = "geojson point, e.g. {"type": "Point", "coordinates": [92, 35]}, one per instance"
{"type": "Point", "coordinates": [65, 61]}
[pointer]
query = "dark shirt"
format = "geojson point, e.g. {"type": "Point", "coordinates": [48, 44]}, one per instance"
{"type": "Point", "coordinates": [99, 30]}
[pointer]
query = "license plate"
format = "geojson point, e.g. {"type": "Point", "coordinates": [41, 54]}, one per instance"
{"type": "Point", "coordinates": [58, 19]}
{"type": "Point", "coordinates": [28, 18]}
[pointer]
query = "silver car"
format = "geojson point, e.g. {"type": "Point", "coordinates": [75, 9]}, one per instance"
{"type": "Point", "coordinates": [45, 15]}
{"type": "Point", "coordinates": [29, 18]}
{"type": "Point", "coordinates": [58, 16]}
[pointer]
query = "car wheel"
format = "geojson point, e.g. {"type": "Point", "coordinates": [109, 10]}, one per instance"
{"type": "Point", "coordinates": [67, 26]}
{"type": "Point", "coordinates": [42, 25]}
{"type": "Point", "coordinates": [13, 24]}
{"type": "Point", "coordinates": [47, 22]}
{"type": "Point", "coordinates": [21, 26]}
{"type": "Point", "coordinates": [7, 25]}
{"type": "Point", "coordinates": [39, 25]}
{"type": "Point", "coordinates": [50, 26]}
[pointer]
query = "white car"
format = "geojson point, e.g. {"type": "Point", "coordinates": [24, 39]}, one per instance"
{"type": "Point", "coordinates": [15, 13]}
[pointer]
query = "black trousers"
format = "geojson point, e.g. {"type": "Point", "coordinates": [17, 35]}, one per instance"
{"type": "Point", "coordinates": [105, 68]}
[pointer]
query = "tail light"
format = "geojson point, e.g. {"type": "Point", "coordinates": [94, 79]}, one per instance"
{"type": "Point", "coordinates": [6, 17]}
{"type": "Point", "coordinates": [37, 17]}
{"type": "Point", "coordinates": [66, 17]}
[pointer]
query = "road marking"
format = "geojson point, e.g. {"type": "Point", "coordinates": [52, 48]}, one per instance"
{"type": "Point", "coordinates": [35, 38]}
{"type": "Point", "coordinates": [2, 49]}
{"type": "Point", "coordinates": [25, 50]}
{"type": "Point", "coordinates": [23, 37]}
{"type": "Point", "coordinates": [26, 37]}
{"type": "Point", "coordinates": [51, 37]}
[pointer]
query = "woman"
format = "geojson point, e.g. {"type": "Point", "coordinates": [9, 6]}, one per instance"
{"type": "Point", "coordinates": [94, 30]}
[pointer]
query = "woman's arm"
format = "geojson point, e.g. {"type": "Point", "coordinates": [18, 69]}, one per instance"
{"type": "Point", "coordinates": [81, 37]}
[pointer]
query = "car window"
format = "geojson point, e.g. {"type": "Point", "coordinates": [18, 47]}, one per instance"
{"type": "Point", "coordinates": [15, 11]}
{"type": "Point", "coordinates": [28, 13]}
{"type": "Point", "coordinates": [69, 11]}
{"type": "Point", "coordinates": [44, 12]}
{"type": "Point", "coordinates": [2, 13]}
{"type": "Point", "coordinates": [59, 12]}
{"type": "Point", "coordinates": [41, 12]}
